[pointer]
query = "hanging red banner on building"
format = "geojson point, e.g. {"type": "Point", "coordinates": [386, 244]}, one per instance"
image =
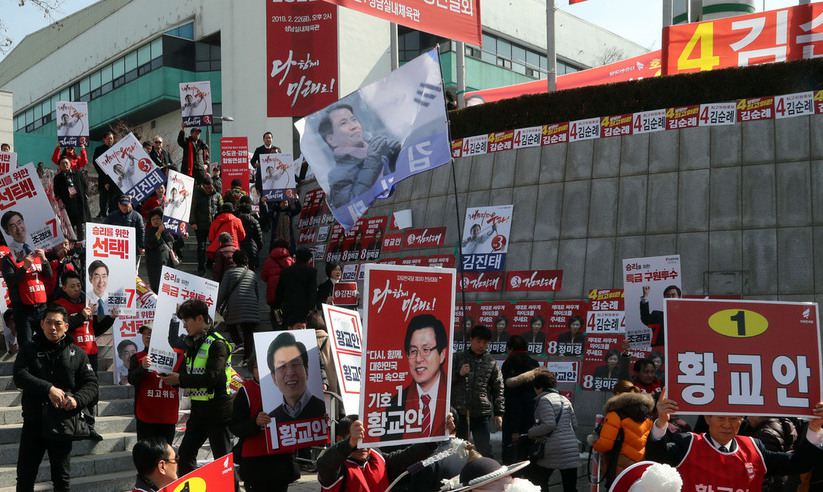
{"type": "Point", "coordinates": [301, 55]}
{"type": "Point", "coordinates": [534, 280]}
{"type": "Point", "coordinates": [452, 19]}
{"type": "Point", "coordinates": [781, 35]}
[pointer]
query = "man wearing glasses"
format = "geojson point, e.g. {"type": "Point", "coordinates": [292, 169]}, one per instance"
{"type": "Point", "coordinates": [289, 364]}
{"type": "Point", "coordinates": [156, 464]}
{"type": "Point", "coordinates": [161, 156]}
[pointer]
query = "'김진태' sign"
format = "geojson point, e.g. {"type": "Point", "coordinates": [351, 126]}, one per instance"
{"type": "Point", "coordinates": [346, 341]}
{"type": "Point", "coordinates": [743, 357]}
{"type": "Point", "coordinates": [486, 238]}
{"type": "Point", "coordinates": [179, 191]}
{"type": "Point", "coordinates": [406, 358]}
{"type": "Point", "coordinates": [72, 123]}
{"type": "Point", "coordinates": [25, 211]}
{"type": "Point", "coordinates": [277, 175]}
{"type": "Point", "coordinates": [111, 261]}
{"type": "Point", "coordinates": [195, 103]}
{"type": "Point", "coordinates": [646, 282]}
{"type": "Point", "coordinates": [131, 168]}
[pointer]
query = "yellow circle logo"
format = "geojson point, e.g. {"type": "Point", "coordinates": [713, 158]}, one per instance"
{"type": "Point", "coordinates": [194, 484]}
{"type": "Point", "coordinates": [738, 323]}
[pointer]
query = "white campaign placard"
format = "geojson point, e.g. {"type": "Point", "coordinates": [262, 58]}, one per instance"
{"type": "Point", "coordinates": [645, 281]}
{"type": "Point", "coordinates": [179, 192]}
{"type": "Point", "coordinates": [289, 366]}
{"type": "Point", "coordinates": [195, 103]}
{"type": "Point", "coordinates": [277, 175]}
{"type": "Point", "coordinates": [486, 238]}
{"type": "Point", "coordinates": [26, 216]}
{"type": "Point", "coordinates": [345, 334]}
{"type": "Point", "coordinates": [8, 161]}
{"type": "Point", "coordinates": [175, 287]}
{"type": "Point", "coordinates": [564, 371]}
{"type": "Point", "coordinates": [72, 123]}
{"type": "Point", "coordinates": [111, 264]}
{"type": "Point", "coordinates": [127, 341]}
{"type": "Point", "coordinates": [131, 168]}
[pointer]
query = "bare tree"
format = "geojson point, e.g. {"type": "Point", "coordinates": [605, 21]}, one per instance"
{"type": "Point", "coordinates": [611, 55]}
{"type": "Point", "coordinates": [48, 9]}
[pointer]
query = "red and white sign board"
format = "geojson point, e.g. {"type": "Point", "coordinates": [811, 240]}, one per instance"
{"type": "Point", "coordinates": [219, 475]}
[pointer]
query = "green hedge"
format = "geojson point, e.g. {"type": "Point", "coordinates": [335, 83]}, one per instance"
{"type": "Point", "coordinates": [640, 95]}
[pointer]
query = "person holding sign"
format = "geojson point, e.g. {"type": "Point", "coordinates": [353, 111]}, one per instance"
{"type": "Point", "coordinates": [70, 188]}
{"type": "Point", "coordinates": [721, 459]}
{"type": "Point", "coordinates": [288, 361]}
{"type": "Point", "coordinates": [76, 161]}
{"type": "Point", "coordinates": [26, 288]}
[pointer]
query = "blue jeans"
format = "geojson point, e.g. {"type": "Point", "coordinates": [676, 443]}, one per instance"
{"type": "Point", "coordinates": [480, 432]}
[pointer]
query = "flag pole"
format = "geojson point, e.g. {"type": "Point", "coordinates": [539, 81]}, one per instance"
{"type": "Point", "coordinates": [551, 48]}
{"type": "Point", "coordinates": [460, 62]}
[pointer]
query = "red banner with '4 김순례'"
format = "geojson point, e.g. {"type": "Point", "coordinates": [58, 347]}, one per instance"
{"type": "Point", "coordinates": [301, 51]}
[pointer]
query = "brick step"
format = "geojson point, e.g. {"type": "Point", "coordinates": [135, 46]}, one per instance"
{"type": "Point", "coordinates": [81, 466]}
{"type": "Point", "coordinates": [103, 377]}
{"type": "Point", "coordinates": [107, 482]}
{"type": "Point", "coordinates": [111, 443]}
{"type": "Point", "coordinates": [108, 392]}
{"type": "Point", "coordinates": [110, 408]}
{"type": "Point", "coordinates": [10, 433]}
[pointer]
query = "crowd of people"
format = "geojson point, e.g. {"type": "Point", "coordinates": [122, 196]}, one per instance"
{"type": "Point", "coordinates": [57, 325]}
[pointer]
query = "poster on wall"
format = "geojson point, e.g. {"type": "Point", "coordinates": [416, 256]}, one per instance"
{"type": "Point", "coordinates": [486, 238]}
{"type": "Point", "coordinates": [26, 216]}
{"type": "Point", "coordinates": [464, 320]}
{"type": "Point", "coordinates": [529, 321]}
{"type": "Point", "coordinates": [406, 378]}
{"type": "Point", "coordinates": [601, 361]}
{"type": "Point", "coordinates": [132, 170]}
{"type": "Point", "coordinates": [346, 337]}
{"type": "Point", "coordinates": [196, 103]}
{"type": "Point", "coordinates": [179, 192]}
{"type": "Point", "coordinates": [277, 175]}
{"type": "Point", "coordinates": [566, 328]}
{"type": "Point", "coordinates": [234, 161]}
{"type": "Point", "coordinates": [301, 54]}
{"type": "Point", "coordinates": [111, 264]}
{"type": "Point", "coordinates": [646, 282]}
{"type": "Point", "coordinates": [605, 313]}
{"type": "Point", "coordinates": [72, 123]}
{"type": "Point", "coordinates": [496, 315]}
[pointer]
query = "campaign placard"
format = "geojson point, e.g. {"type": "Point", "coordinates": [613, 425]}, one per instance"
{"type": "Point", "coordinates": [605, 314]}
{"type": "Point", "coordinates": [486, 238]}
{"type": "Point", "coordinates": [132, 170]}
{"type": "Point", "coordinates": [733, 357]}
{"type": "Point", "coordinates": [196, 103]}
{"type": "Point", "coordinates": [25, 212]}
{"type": "Point", "coordinates": [111, 264]}
{"type": "Point", "coordinates": [529, 321]}
{"type": "Point", "coordinates": [534, 280]}
{"type": "Point", "coordinates": [277, 175]}
{"type": "Point", "coordinates": [497, 316]}
{"type": "Point", "coordinates": [72, 123]}
{"type": "Point", "coordinates": [564, 371]}
{"type": "Point", "coordinates": [127, 341]}
{"type": "Point", "coordinates": [646, 281]}
{"type": "Point", "coordinates": [292, 389]}
{"type": "Point", "coordinates": [175, 287]}
{"type": "Point", "coordinates": [234, 161]}
{"type": "Point", "coordinates": [346, 337]}
{"type": "Point", "coordinates": [566, 328]}
{"type": "Point", "coordinates": [219, 475]}
{"type": "Point", "coordinates": [8, 161]}
{"type": "Point", "coordinates": [409, 313]}
{"type": "Point", "coordinates": [464, 319]}
{"type": "Point", "coordinates": [601, 361]}
{"type": "Point", "coordinates": [179, 192]}
{"type": "Point", "coordinates": [481, 281]}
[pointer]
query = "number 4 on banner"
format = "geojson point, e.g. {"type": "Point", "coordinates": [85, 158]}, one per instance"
{"type": "Point", "coordinates": [704, 35]}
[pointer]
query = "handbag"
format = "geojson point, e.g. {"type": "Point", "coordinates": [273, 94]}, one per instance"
{"type": "Point", "coordinates": [537, 449]}
{"type": "Point", "coordinates": [221, 309]}
{"type": "Point", "coordinates": [175, 261]}
{"type": "Point", "coordinates": [59, 425]}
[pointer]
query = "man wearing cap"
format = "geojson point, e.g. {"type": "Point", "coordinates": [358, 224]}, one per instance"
{"type": "Point", "coordinates": [195, 153]}
{"type": "Point", "coordinates": [126, 216]}
{"type": "Point", "coordinates": [205, 204]}
{"type": "Point", "coordinates": [720, 459]}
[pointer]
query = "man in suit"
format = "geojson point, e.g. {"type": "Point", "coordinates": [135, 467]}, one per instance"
{"type": "Point", "coordinates": [288, 361]}
{"type": "Point", "coordinates": [426, 347]}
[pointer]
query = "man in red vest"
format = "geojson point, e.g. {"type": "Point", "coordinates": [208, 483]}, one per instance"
{"type": "Point", "coordinates": [720, 459]}
{"type": "Point", "coordinates": [24, 278]}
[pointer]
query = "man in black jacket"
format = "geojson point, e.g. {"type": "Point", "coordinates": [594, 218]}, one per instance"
{"type": "Point", "coordinates": [266, 148]}
{"type": "Point", "coordinates": [50, 371]}
{"type": "Point", "coordinates": [205, 204]}
{"type": "Point", "coordinates": [105, 186]}
{"type": "Point", "coordinates": [161, 156]}
{"type": "Point", "coordinates": [297, 290]}
{"type": "Point", "coordinates": [126, 216]}
{"type": "Point", "coordinates": [195, 153]}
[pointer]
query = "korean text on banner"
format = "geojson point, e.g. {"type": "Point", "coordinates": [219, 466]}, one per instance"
{"type": "Point", "coordinates": [127, 340]}
{"type": "Point", "coordinates": [219, 475]}
{"type": "Point", "coordinates": [743, 357]}
{"type": "Point", "coordinates": [8, 161]}
{"type": "Point", "coordinates": [175, 287]}
{"type": "Point", "coordinates": [111, 263]}
{"type": "Point", "coordinates": [26, 212]}
{"type": "Point", "coordinates": [347, 352]}
{"type": "Point", "coordinates": [234, 161]}
{"type": "Point", "coordinates": [781, 35]}
{"type": "Point", "coordinates": [131, 169]}
{"type": "Point", "coordinates": [195, 103]}
{"type": "Point", "coordinates": [406, 380]}
{"type": "Point", "coordinates": [292, 389]}
{"type": "Point", "coordinates": [646, 281]}
{"type": "Point", "coordinates": [301, 54]}
{"type": "Point", "coordinates": [372, 139]}
{"type": "Point", "coordinates": [453, 19]}
{"type": "Point", "coordinates": [486, 238]}
{"type": "Point", "coordinates": [277, 173]}
{"type": "Point", "coordinates": [179, 191]}
{"type": "Point", "coordinates": [601, 361]}
{"type": "Point", "coordinates": [72, 123]}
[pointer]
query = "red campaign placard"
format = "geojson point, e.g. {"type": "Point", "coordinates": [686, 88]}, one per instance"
{"type": "Point", "coordinates": [682, 117]}
{"type": "Point", "coordinates": [218, 475]}
{"type": "Point", "coordinates": [501, 141]}
{"type": "Point", "coordinates": [430, 237]}
{"type": "Point", "coordinates": [601, 361]}
{"type": "Point", "coordinates": [481, 281]}
{"type": "Point", "coordinates": [497, 316]}
{"type": "Point", "coordinates": [743, 357]}
{"type": "Point", "coordinates": [560, 339]}
{"type": "Point", "coordinates": [234, 160]}
{"type": "Point", "coordinates": [452, 19]}
{"type": "Point", "coordinates": [372, 230]}
{"type": "Point", "coordinates": [464, 320]}
{"type": "Point", "coordinates": [393, 242]}
{"type": "Point", "coordinates": [445, 261]}
{"type": "Point", "coordinates": [414, 304]}
{"type": "Point", "coordinates": [457, 148]}
{"type": "Point", "coordinates": [301, 55]}
{"type": "Point", "coordinates": [345, 294]}
{"type": "Point", "coordinates": [615, 126]}
{"type": "Point", "coordinates": [754, 109]}
{"type": "Point", "coordinates": [818, 102]}
{"type": "Point", "coordinates": [555, 133]}
{"type": "Point", "coordinates": [606, 300]}
{"type": "Point", "coordinates": [314, 210]}
{"type": "Point", "coordinates": [529, 321]}
{"type": "Point", "coordinates": [534, 280]}
{"type": "Point", "coordinates": [773, 36]}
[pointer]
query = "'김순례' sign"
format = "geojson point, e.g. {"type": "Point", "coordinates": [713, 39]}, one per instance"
{"type": "Point", "coordinates": [234, 160]}
{"type": "Point", "coordinates": [346, 337]}
{"type": "Point", "coordinates": [486, 238]}
{"type": "Point", "coordinates": [31, 223]}
{"type": "Point", "coordinates": [743, 357]}
{"type": "Point", "coordinates": [301, 51]}
{"type": "Point", "coordinates": [195, 103]}
{"type": "Point", "coordinates": [112, 269]}
{"type": "Point", "coordinates": [773, 36]}
{"type": "Point", "coordinates": [72, 123]}
{"type": "Point", "coordinates": [406, 386]}
{"type": "Point", "coordinates": [131, 169]}
{"type": "Point", "coordinates": [453, 19]}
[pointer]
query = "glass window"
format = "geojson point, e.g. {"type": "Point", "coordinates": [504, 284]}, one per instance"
{"type": "Point", "coordinates": [201, 52]}
{"type": "Point", "coordinates": [144, 54]}
{"type": "Point", "coordinates": [519, 68]}
{"type": "Point", "coordinates": [84, 85]}
{"type": "Point", "coordinates": [105, 75]}
{"type": "Point", "coordinates": [504, 49]}
{"type": "Point", "coordinates": [131, 61]}
{"type": "Point", "coordinates": [215, 52]}
{"type": "Point", "coordinates": [38, 112]}
{"type": "Point", "coordinates": [543, 63]}
{"type": "Point", "coordinates": [187, 31]}
{"type": "Point", "coordinates": [65, 94]}
{"type": "Point", "coordinates": [46, 107]}
{"type": "Point", "coordinates": [518, 54]}
{"type": "Point", "coordinates": [29, 116]}
{"type": "Point", "coordinates": [489, 43]}
{"type": "Point", "coordinates": [117, 68]}
{"type": "Point", "coordinates": [532, 59]}
{"type": "Point", "coordinates": [131, 75]}
{"type": "Point", "coordinates": [157, 48]}
{"type": "Point", "coordinates": [94, 80]}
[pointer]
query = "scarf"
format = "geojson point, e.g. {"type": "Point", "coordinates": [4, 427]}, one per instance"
{"type": "Point", "coordinates": [189, 164]}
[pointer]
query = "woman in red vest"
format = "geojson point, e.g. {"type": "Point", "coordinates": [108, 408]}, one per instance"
{"type": "Point", "coordinates": [260, 469]}
{"type": "Point", "coordinates": [155, 402]}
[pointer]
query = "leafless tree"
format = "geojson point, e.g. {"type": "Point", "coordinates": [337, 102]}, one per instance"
{"type": "Point", "coordinates": [48, 9]}
{"type": "Point", "coordinates": [610, 55]}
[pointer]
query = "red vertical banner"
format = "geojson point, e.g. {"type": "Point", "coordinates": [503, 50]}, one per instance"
{"type": "Point", "coordinates": [529, 321]}
{"type": "Point", "coordinates": [565, 337]}
{"type": "Point", "coordinates": [601, 361]}
{"type": "Point", "coordinates": [464, 321]}
{"type": "Point", "coordinates": [497, 316]}
{"type": "Point", "coordinates": [301, 54]}
{"type": "Point", "coordinates": [234, 161]}
{"type": "Point", "coordinates": [409, 313]}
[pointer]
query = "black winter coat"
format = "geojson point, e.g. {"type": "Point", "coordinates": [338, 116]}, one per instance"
{"type": "Point", "coordinates": [297, 291]}
{"type": "Point", "coordinates": [253, 241]}
{"type": "Point", "coordinates": [77, 206]}
{"type": "Point", "coordinates": [204, 207]}
{"type": "Point", "coordinates": [131, 219]}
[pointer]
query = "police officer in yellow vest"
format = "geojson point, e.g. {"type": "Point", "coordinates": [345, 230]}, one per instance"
{"type": "Point", "coordinates": [205, 377]}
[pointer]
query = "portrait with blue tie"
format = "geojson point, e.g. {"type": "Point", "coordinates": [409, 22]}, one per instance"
{"type": "Point", "coordinates": [14, 227]}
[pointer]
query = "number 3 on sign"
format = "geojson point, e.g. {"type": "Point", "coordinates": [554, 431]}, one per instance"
{"type": "Point", "coordinates": [704, 35]}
